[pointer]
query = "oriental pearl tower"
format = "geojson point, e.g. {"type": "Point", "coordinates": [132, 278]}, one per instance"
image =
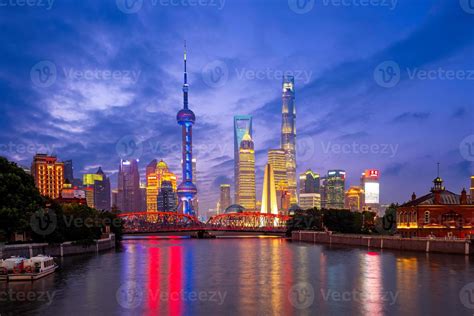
{"type": "Point", "coordinates": [186, 118]}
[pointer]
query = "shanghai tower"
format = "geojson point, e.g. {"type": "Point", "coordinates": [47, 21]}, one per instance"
{"type": "Point", "coordinates": [288, 133]}
{"type": "Point", "coordinates": [186, 118]}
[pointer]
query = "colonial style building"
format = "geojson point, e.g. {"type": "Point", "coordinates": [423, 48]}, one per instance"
{"type": "Point", "coordinates": [440, 213]}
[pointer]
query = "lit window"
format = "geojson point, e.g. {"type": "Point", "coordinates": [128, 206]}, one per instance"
{"type": "Point", "coordinates": [427, 217]}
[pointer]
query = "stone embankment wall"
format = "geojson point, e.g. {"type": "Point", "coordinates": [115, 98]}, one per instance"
{"type": "Point", "coordinates": [61, 250]}
{"type": "Point", "coordinates": [385, 242]}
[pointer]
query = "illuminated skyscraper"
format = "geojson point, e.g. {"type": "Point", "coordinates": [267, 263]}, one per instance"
{"type": "Point", "coordinates": [68, 171]}
{"type": "Point", "coordinates": [309, 182]}
{"type": "Point", "coordinates": [288, 133]}
{"type": "Point", "coordinates": [269, 197]}
{"type": "Point", "coordinates": [128, 195]}
{"type": "Point", "coordinates": [354, 199]}
{"type": "Point", "coordinates": [102, 192]}
{"type": "Point", "coordinates": [309, 201]}
{"type": "Point", "coordinates": [155, 181]}
{"type": "Point", "coordinates": [186, 118]}
{"type": "Point", "coordinates": [371, 186]}
{"type": "Point", "coordinates": [167, 200]}
{"type": "Point", "coordinates": [150, 169]}
{"type": "Point", "coordinates": [277, 158]}
{"type": "Point", "coordinates": [48, 174]}
{"type": "Point", "coordinates": [242, 126]}
{"type": "Point", "coordinates": [246, 195]}
{"type": "Point", "coordinates": [225, 200]}
{"type": "Point", "coordinates": [335, 189]}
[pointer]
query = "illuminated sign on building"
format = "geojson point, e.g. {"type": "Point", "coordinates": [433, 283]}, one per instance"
{"type": "Point", "coordinates": [372, 192]}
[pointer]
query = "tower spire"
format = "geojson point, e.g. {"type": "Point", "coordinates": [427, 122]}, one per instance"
{"type": "Point", "coordinates": [185, 85]}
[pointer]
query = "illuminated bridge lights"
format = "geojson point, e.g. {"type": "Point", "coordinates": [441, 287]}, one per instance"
{"type": "Point", "coordinates": [155, 222]}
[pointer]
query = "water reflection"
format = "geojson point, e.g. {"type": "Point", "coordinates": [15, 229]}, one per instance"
{"type": "Point", "coordinates": [250, 276]}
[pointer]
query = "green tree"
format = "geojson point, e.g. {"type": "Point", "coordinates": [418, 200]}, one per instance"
{"type": "Point", "coordinates": [19, 199]}
{"type": "Point", "coordinates": [387, 225]}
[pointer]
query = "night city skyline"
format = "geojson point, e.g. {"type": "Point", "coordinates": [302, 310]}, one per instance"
{"type": "Point", "coordinates": [85, 113]}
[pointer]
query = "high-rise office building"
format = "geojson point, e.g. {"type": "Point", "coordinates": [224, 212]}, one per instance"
{"type": "Point", "coordinates": [242, 126]}
{"type": "Point", "coordinates": [309, 200]}
{"type": "Point", "coordinates": [322, 190]}
{"type": "Point", "coordinates": [129, 195]}
{"type": "Point", "coordinates": [48, 173]}
{"type": "Point", "coordinates": [246, 174]}
{"type": "Point", "coordinates": [114, 198]}
{"type": "Point", "coordinates": [150, 169]}
{"type": "Point", "coordinates": [288, 133]}
{"type": "Point", "coordinates": [371, 186]}
{"type": "Point", "coordinates": [335, 189]}
{"type": "Point", "coordinates": [354, 199]}
{"type": "Point", "coordinates": [269, 196]}
{"type": "Point", "coordinates": [102, 192]}
{"type": "Point", "coordinates": [167, 198]}
{"type": "Point", "coordinates": [224, 200]}
{"type": "Point", "coordinates": [155, 178]}
{"type": "Point", "coordinates": [277, 158]}
{"type": "Point", "coordinates": [187, 189]}
{"type": "Point", "coordinates": [309, 182]}
{"type": "Point", "coordinates": [472, 189]}
{"type": "Point", "coordinates": [68, 171]}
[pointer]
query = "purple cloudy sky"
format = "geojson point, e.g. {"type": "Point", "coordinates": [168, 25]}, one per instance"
{"type": "Point", "coordinates": [386, 86]}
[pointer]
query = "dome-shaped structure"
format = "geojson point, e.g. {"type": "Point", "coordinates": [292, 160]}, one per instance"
{"type": "Point", "coordinates": [185, 116]}
{"type": "Point", "coordinates": [162, 165]}
{"type": "Point", "coordinates": [234, 208]}
{"type": "Point", "coordinates": [186, 188]}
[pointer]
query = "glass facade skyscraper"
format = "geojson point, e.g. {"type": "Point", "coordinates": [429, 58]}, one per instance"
{"type": "Point", "coordinates": [288, 133]}
{"type": "Point", "coordinates": [335, 189]}
{"type": "Point", "coordinates": [242, 126]}
{"type": "Point", "coordinates": [246, 195]}
{"type": "Point", "coordinates": [128, 195]}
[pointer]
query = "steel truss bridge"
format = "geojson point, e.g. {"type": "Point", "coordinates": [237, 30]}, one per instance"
{"type": "Point", "coordinates": [163, 222]}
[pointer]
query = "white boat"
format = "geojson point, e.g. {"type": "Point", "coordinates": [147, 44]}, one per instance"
{"type": "Point", "coordinates": [21, 269]}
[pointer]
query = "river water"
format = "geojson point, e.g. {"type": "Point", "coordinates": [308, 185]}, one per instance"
{"type": "Point", "coordinates": [248, 276]}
